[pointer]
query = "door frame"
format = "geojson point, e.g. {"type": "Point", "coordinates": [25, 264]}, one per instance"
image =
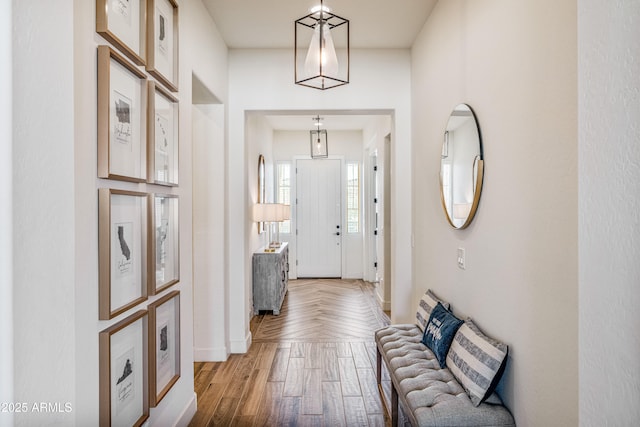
{"type": "Point", "coordinates": [370, 271]}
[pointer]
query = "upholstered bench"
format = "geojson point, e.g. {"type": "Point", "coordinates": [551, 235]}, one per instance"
{"type": "Point", "coordinates": [432, 395]}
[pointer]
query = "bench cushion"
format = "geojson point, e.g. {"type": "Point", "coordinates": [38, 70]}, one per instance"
{"type": "Point", "coordinates": [430, 395]}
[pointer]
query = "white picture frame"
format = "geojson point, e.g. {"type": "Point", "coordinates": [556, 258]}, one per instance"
{"type": "Point", "coordinates": [122, 127]}
{"type": "Point", "coordinates": [162, 136]}
{"type": "Point", "coordinates": [122, 264]}
{"type": "Point", "coordinates": [124, 373]}
{"type": "Point", "coordinates": [164, 242]}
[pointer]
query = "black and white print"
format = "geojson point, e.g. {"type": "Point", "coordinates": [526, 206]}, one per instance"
{"type": "Point", "coordinates": [124, 377]}
{"type": "Point", "coordinates": [162, 34]}
{"type": "Point", "coordinates": [123, 239]}
{"type": "Point", "coordinates": [122, 129]}
{"type": "Point", "coordinates": [121, 7]}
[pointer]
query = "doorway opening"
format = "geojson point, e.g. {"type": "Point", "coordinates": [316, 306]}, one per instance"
{"type": "Point", "coordinates": [352, 137]}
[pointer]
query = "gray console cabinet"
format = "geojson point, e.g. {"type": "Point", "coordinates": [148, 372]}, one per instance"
{"type": "Point", "coordinates": [270, 278]}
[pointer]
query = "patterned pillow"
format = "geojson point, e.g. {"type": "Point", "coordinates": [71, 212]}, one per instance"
{"type": "Point", "coordinates": [476, 361]}
{"type": "Point", "coordinates": [439, 332]}
{"type": "Point", "coordinates": [427, 303]}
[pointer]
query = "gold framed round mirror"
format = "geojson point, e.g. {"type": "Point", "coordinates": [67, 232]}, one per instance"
{"type": "Point", "coordinates": [461, 167]}
{"type": "Point", "coordinates": [261, 189]}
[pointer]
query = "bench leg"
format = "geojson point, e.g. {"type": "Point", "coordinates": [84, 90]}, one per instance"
{"type": "Point", "coordinates": [394, 406]}
{"type": "Point", "coordinates": [378, 365]}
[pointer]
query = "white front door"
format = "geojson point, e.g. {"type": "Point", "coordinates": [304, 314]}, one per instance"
{"type": "Point", "coordinates": [319, 218]}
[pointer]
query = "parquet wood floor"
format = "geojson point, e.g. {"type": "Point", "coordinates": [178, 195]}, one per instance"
{"type": "Point", "coordinates": [313, 365]}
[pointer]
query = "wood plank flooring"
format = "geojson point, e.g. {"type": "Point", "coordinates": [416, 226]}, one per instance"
{"type": "Point", "coordinates": [313, 365]}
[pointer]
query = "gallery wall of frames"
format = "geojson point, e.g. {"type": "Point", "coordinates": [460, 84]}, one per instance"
{"type": "Point", "coordinates": [138, 229]}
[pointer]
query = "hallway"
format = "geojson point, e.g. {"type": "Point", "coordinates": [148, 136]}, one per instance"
{"type": "Point", "coordinates": [314, 364]}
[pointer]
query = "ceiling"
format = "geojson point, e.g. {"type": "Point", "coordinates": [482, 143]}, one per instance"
{"type": "Point", "coordinates": [334, 120]}
{"type": "Point", "coordinates": [269, 24]}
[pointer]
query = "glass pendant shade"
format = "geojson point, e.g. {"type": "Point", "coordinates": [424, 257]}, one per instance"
{"type": "Point", "coordinates": [322, 50]}
{"type": "Point", "coordinates": [319, 148]}
{"type": "Point", "coordinates": [321, 55]}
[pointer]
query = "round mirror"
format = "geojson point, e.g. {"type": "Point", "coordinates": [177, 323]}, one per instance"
{"type": "Point", "coordinates": [461, 167]}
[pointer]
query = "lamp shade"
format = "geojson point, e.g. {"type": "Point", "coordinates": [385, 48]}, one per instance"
{"type": "Point", "coordinates": [284, 212]}
{"type": "Point", "coordinates": [266, 212]}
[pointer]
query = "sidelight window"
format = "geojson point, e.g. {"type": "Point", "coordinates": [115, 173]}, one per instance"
{"type": "Point", "coordinates": [283, 191]}
{"type": "Point", "coordinates": [353, 197]}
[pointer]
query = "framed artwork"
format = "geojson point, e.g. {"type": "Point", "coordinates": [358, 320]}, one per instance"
{"type": "Point", "coordinates": [164, 242]}
{"type": "Point", "coordinates": [162, 42]}
{"type": "Point", "coordinates": [164, 345]}
{"type": "Point", "coordinates": [122, 93]}
{"type": "Point", "coordinates": [162, 136]}
{"type": "Point", "coordinates": [122, 237]}
{"type": "Point", "coordinates": [124, 24]}
{"type": "Point", "coordinates": [124, 373]}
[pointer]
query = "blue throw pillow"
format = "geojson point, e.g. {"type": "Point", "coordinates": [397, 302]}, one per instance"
{"type": "Point", "coordinates": [439, 332]}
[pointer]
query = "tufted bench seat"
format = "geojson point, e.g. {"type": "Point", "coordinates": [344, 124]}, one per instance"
{"type": "Point", "coordinates": [430, 395]}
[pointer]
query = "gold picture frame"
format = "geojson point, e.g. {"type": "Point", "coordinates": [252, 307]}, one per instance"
{"type": "Point", "coordinates": [122, 251]}
{"type": "Point", "coordinates": [162, 136]}
{"type": "Point", "coordinates": [162, 42]}
{"type": "Point", "coordinates": [164, 242]}
{"type": "Point", "coordinates": [123, 23]}
{"type": "Point", "coordinates": [124, 372]}
{"type": "Point", "coordinates": [164, 346]}
{"type": "Point", "coordinates": [122, 126]}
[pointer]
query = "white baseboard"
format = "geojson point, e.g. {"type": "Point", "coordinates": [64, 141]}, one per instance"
{"type": "Point", "coordinates": [188, 413]}
{"type": "Point", "coordinates": [386, 305]}
{"type": "Point", "coordinates": [215, 354]}
{"type": "Point", "coordinates": [241, 346]}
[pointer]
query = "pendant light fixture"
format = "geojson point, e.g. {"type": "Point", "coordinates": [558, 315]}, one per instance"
{"type": "Point", "coordinates": [321, 49]}
{"type": "Point", "coordinates": [318, 137]}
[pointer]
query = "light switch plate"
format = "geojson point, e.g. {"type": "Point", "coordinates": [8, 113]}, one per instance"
{"type": "Point", "coordinates": [461, 258]}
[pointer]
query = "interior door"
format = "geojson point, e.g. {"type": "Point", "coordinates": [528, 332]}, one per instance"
{"type": "Point", "coordinates": [319, 218]}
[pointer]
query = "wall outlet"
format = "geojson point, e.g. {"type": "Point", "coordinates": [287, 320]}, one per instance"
{"type": "Point", "coordinates": [461, 258]}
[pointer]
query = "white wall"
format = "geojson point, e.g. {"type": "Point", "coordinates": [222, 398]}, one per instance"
{"type": "Point", "coordinates": [203, 59]}
{"type": "Point", "coordinates": [515, 64]}
{"type": "Point", "coordinates": [209, 290]}
{"type": "Point", "coordinates": [346, 145]}
{"type": "Point", "coordinates": [6, 228]}
{"type": "Point", "coordinates": [43, 208]}
{"type": "Point", "coordinates": [609, 227]}
{"type": "Point", "coordinates": [259, 142]}
{"type": "Point", "coordinates": [374, 135]}
{"type": "Point", "coordinates": [270, 86]}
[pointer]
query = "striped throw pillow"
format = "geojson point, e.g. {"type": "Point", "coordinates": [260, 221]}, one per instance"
{"type": "Point", "coordinates": [476, 361]}
{"type": "Point", "coordinates": [427, 303]}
